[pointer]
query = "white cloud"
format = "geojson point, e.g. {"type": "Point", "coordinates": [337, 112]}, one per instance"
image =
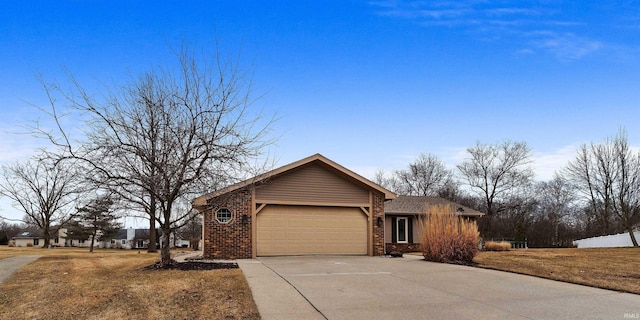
{"type": "Point", "coordinates": [545, 165]}
{"type": "Point", "coordinates": [568, 46]}
{"type": "Point", "coordinates": [486, 20]}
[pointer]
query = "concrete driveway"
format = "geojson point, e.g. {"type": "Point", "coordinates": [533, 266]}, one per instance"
{"type": "Point", "coordinates": [357, 287]}
{"type": "Point", "coordinates": [9, 265]}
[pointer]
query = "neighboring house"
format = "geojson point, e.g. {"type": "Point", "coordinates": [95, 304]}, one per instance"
{"type": "Point", "coordinates": [35, 239]}
{"type": "Point", "coordinates": [611, 241]}
{"type": "Point", "coordinates": [404, 216]}
{"type": "Point", "coordinates": [64, 235]}
{"type": "Point", "coordinates": [311, 206]}
{"type": "Point", "coordinates": [130, 239]}
{"type": "Point", "coordinates": [123, 239]}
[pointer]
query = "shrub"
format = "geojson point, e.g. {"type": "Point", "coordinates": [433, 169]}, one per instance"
{"type": "Point", "coordinates": [29, 244]}
{"type": "Point", "coordinates": [11, 244]}
{"type": "Point", "coordinates": [497, 246]}
{"type": "Point", "coordinates": [448, 238]}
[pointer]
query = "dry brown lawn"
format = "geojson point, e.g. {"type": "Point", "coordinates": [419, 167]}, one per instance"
{"type": "Point", "coordinates": [111, 284]}
{"type": "Point", "coordinates": [609, 268]}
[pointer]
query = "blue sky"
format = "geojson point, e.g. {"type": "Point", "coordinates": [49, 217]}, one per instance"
{"type": "Point", "coordinates": [369, 84]}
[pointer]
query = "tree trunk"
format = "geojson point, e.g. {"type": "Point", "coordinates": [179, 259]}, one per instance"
{"type": "Point", "coordinates": [93, 238]}
{"type": "Point", "coordinates": [46, 236]}
{"type": "Point", "coordinates": [165, 252]}
{"type": "Point", "coordinates": [633, 236]}
{"type": "Point", "coordinates": [152, 237]}
{"type": "Point", "coordinates": [152, 226]}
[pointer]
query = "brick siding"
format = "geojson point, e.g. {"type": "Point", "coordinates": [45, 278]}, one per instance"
{"type": "Point", "coordinates": [378, 230]}
{"type": "Point", "coordinates": [230, 240]}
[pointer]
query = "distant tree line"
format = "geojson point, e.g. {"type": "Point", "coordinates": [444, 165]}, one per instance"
{"type": "Point", "coordinates": [597, 193]}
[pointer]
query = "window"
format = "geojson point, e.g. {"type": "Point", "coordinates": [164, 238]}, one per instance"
{"type": "Point", "coordinates": [401, 230]}
{"type": "Point", "coordinates": [140, 244]}
{"type": "Point", "coordinates": [56, 240]}
{"type": "Point", "coordinates": [223, 215]}
{"type": "Point", "coordinates": [36, 242]}
{"type": "Point", "coordinates": [80, 241]}
{"type": "Point", "coordinates": [124, 242]}
{"type": "Point", "coordinates": [113, 241]}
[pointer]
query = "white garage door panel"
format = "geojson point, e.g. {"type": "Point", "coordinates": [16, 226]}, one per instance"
{"type": "Point", "coordinates": [295, 230]}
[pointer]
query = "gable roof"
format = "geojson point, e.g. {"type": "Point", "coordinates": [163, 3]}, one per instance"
{"type": "Point", "coordinates": [202, 200]}
{"type": "Point", "coordinates": [26, 234]}
{"type": "Point", "coordinates": [419, 204]}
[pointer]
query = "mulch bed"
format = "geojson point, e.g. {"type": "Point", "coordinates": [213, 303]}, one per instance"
{"type": "Point", "coordinates": [193, 265]}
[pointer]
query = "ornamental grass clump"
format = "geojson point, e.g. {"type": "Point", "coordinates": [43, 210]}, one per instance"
{"type": "Point", "coordinates": [448, 238]}
{"type": "Point", "coordinates": [497, 246]}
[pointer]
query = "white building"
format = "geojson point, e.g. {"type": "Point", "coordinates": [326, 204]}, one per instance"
{"type": "Point", "coordinates": [615, 240]}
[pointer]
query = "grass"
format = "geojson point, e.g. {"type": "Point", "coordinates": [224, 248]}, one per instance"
{"type": "Point", "coordinates": [608, 268]}
{"type": "Point", "coordinates": [71, 283]}
{"type": "Point", "coordinates": [497, 246]}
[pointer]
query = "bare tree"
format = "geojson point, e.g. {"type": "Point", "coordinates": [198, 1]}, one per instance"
{"type": "Point", "coordinates": [427, 176]}
{"type": "Point", "coordinates": [608, 176]}
{"type": "Point", "coordinates": [167, 136]}
{"type": "Point", "coordinates": [424, 177]}
{"type": "Point", "coordinates": [496, 173]}
{"type": "Point", "coordinates": [380, 177]}
{"type": "Point", "coordinates": [556, 202]}
{"type": "Point", "coordinates": [44, 191]}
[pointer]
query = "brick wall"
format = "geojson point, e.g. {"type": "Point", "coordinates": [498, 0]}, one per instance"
{"type": "Point", "coordinates": [230, 240]}
{"type": "Point", "coordinates": [378, 230]}
{"type": "Point", "coordinates": [403, 247]}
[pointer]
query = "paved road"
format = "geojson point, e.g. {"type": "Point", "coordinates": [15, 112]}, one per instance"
{"type": "Point", "coordinates": [9, 265]}
{"type": "Point", "coordinates": [350, 287]}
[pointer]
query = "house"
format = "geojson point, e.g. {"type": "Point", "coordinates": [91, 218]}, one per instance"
{"type": "Point", "coordinates": [36, 239]}
{"type": "Point", "coordinates": [403, 217]}
{"type": "Point", "coordinates": [311, 206]}
{"type": "Point", "coordinates": [129, 239]}
{"type": "Point", "coordinates": [123, 239]}
{"type": "Point", "coordinates": [64, 235]}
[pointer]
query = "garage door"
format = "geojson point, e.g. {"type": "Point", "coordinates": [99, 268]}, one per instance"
{"type": "Point", "coordinates": [297, 230]}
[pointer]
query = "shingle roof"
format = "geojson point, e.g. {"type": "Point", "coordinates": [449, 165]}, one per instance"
{"type": "Point", "coordinates": [142, 233]}
{"type": "Point", "coordinates": [28, 235]}
{"type": "Point", "coordinates": [419, 205]}
{"type": "Point", "coordinates": [121, 234]}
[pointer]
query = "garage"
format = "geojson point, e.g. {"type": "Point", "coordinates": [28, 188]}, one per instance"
{"type": "Point", "coordinates": [299, 230]}
{"type": "Point", "coordinates": [308, 207]}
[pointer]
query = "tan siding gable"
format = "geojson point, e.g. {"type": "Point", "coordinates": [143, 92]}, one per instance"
{"type": "Point", "coordinates": [312, 184]}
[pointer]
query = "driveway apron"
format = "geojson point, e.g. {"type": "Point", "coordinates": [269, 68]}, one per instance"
{"type": "Point", "coordinates": [359, 287]}
{"type": "Point", "coordinates": [9, 265]}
